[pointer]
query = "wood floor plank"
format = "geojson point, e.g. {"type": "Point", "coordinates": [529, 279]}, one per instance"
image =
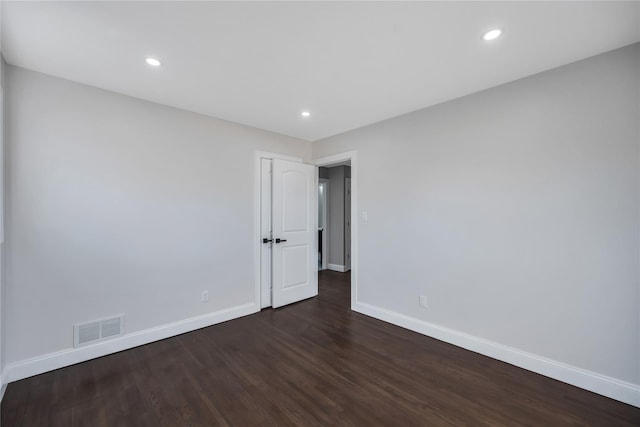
{"type": "Point", "coordinates": [313, 363]}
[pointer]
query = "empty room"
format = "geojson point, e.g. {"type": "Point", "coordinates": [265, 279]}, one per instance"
{"type": "Point", "coordinates": [318, 213]}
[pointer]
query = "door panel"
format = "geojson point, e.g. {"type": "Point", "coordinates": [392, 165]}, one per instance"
{"type": "Point", "coordinates": [294, 214]}
{"type": "Point", "coordinates": [294, 265]}
{"type": "Point", "coordinates": [295, 206]}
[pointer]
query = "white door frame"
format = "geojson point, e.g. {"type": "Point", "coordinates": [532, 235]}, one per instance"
{"type": "Point", "coordinates": [257, 246]}
{"type": "Point", "coordinates": [333, 160]}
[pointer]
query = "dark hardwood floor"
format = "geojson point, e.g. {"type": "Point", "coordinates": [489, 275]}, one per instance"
{"type": "Point", "coordinates": [314, 363]}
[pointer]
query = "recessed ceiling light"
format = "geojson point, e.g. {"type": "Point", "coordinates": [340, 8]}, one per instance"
{"type": "Point", "coordinates": [492, 35]}
{"type": "Point", "coordinates": [305, 114]}
{"type": "Point", "coordinates": [153, 62]}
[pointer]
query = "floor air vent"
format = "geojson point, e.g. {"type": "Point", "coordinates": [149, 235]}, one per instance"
{"type": "Point", "coordinates": [98, 330]}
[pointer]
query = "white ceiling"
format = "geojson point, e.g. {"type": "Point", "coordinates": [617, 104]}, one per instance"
{"type": "Point", "coordinates": [349, 63]}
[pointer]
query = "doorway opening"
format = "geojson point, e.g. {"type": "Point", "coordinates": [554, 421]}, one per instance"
{"type": "Point", "coordinates": [337, 232]}
{"type": "Point", "coordinates": [334, 217]}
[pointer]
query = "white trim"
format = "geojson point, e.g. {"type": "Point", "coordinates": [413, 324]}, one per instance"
{"type": "Point", "coordinates": [37, 365]}
{"type": "Point", "coordinates": [3, 388]}
{"type": "Point", "coordinates": [336, 267]}
{"type": "Point", "coordinates": [258, 156]}
{"type": "Point", "coordinates": [607, 386]}
{"type": "Point", "coordinates": [352, 158]}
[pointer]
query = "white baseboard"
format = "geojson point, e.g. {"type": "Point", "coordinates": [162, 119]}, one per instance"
{"type": "Point", "coordinates": [336, 267]}
{"type": "Point", "coordinates": [3, 388]}
{"type": "Point", "coordinates": [611, 387]}
{"type": "Point", "coordinates": [48, 362]}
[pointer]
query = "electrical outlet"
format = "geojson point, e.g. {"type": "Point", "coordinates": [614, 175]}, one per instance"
{"type": "Point", "coordinates": [423, 301]}
{"type": "Point", "coordinates": [205, 296]}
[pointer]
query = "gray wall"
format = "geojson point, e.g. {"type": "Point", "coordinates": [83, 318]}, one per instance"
{"type": "Point", "coordinates": [335, 213]}
{"type": "Point", "coordinates": [323, 173]}
{"type": "Point", "coordinates": [335, 216]}
{"type": "Point", "coordinates": [117, 205]}
{"type": "Point", "coordinates": [515, 210]}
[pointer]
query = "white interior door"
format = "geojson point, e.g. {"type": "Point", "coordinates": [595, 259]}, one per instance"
{"type": "Point", "coordinates": [294, 223]}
